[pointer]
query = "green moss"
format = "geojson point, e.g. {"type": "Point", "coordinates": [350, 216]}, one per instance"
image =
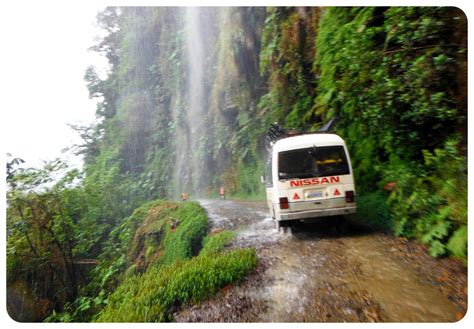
{"type": "Point", "coordinates": [166, 232]}
{"type": "Point", "coordinates": [185, 240]}
{"type": "Point", "coordinates": [215, 243]}
{"type": "Point", "coordinates": [149, 297]}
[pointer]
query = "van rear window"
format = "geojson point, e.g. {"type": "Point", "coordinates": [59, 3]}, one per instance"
{"type": "Point", "coordinates": [312, 162]}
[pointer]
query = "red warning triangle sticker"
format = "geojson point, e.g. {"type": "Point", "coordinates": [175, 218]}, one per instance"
{"type": "Point", "coordinates": [336, 192]}
{"type": "Point", "coordinates": [296, 196]}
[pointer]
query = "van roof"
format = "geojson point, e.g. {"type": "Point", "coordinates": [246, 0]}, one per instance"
{"type": "Point", "coordinates": [307, 140]}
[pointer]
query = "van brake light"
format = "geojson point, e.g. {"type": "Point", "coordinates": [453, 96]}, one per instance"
{"type": "Point", "coordinates": [284, 203]}
{"type": "Point", "coordinates": [349, 196]}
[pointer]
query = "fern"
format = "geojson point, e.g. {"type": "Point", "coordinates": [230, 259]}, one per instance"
{"type": "Point", "coordinates": [437, 248]}
{"type": "Point", "coordinates": [457, 244]}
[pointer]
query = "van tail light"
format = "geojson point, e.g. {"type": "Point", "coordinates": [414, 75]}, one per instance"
{"type": "Point", "coordinates": [349, 196]}
{"type": "Point", "coordinates": [284, 203]}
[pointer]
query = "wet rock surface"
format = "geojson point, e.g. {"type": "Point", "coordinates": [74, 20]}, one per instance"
{"type": "Point", "coordinates": [320, 273]}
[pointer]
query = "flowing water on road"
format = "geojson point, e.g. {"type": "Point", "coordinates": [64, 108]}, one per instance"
{"type": "Point", "coordinates": [402, 295]}
{"type": "Point", "coordinates": [316, 274]}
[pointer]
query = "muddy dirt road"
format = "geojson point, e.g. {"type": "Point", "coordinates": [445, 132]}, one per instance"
{"type": "Point", "coordinates": [318, 274]}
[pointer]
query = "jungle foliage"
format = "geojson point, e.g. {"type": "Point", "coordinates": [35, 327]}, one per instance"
{"type": "Point", "coordinates": [396, 78]}
{"type": "Point", "coordinates": [158, 257]}
{"type": "Point", "coordinates": [86, 243]}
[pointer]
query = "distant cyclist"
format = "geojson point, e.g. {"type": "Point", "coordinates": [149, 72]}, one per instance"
{"type": "Point", "coordinates": [222, 192]}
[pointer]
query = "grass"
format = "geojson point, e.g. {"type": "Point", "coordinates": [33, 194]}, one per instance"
{"type": "Point", "coordinates": [215, 243]}
{"type": "Point", "coordinates": [150, 297]}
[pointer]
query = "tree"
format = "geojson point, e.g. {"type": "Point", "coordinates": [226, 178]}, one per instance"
{"type": "Point", "coordinates": [42, 215]}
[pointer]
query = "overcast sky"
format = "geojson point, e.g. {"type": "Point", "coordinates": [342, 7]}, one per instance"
{"type": "Point", "coordinates": [43, 58]}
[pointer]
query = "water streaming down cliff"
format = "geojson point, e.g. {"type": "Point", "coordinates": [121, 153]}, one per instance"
{"type": "Point", "coordinates": [196, 111]}
{"type": "Point", "coordinates": [192, 167]}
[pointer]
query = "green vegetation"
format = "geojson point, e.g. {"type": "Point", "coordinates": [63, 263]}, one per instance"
{"type": "Point", "coordinates": [395, 78]}
{"type": "Point", "coordinates": [215, 243]}
{"type": "Point", "coordinates": [396, 84]}
{"type": "Point", "coordinates": [372, 209]}
{"type": "Point", "coordinates": [286, 61]}
{"type": "Point", "coordinates": [171, 275]}
{"type": "Point", "coordinates": [149, 297]}
{"type": "Point", "coordinates": [149, 265]}
{"type": "Point", "coordinates": [430, 202]}
{"type": "Point", "coordinates": [44, 235]}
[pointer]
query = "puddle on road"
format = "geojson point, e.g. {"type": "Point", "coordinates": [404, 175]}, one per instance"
{"type": "Point", "coordinates": [222, 214]}
{"type": "Point", "coordinates": [258, 233]}
{"type": "Point", "coordinates": [286, 290]}
{"type": "Point", "coordinates": [401, 294]}
{"type": "Point", "coordinates": [249, 220]}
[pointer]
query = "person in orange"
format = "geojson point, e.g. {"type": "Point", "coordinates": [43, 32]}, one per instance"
{"type": "Point", "coordinates": [222, 192]}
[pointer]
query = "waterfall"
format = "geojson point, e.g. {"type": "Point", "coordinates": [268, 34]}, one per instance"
{"type": "Point", "coordinates": [191, 133]}
{"type": "Point", "coordinates": [195, 94]}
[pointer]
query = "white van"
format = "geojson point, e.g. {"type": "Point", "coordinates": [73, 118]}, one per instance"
{"type": "Point", "coordinates": [308, 176]}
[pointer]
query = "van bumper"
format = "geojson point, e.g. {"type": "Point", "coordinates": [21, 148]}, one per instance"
{"type": "Point", "coordinates": [317, 213]}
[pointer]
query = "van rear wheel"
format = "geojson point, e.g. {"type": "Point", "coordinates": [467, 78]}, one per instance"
{"type": "Point", "coordinates": [284, 225]}
{"type": "Point", "coordinates": [341, 225]}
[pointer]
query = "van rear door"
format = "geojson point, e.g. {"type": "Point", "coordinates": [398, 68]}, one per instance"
{"type": "Point", "coordinates": [315, 177]}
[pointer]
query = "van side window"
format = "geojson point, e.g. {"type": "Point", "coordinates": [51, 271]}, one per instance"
{"type": "Point", "coordinates": [268, 173]}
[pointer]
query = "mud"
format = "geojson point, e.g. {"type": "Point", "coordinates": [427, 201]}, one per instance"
{"type": "Point", "coordinates": [320, 273]}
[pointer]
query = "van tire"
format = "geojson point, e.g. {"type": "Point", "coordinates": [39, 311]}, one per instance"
{"type": "Point", "coordinates": [341, 225]}
{"type": "Point", "coordinates": [284, 226]}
